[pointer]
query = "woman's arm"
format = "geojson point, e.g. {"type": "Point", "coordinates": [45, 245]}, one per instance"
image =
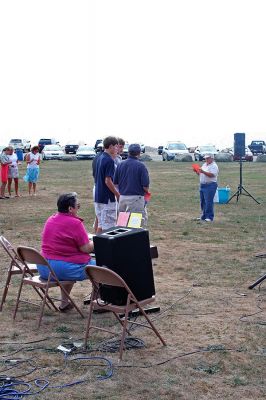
{"type": "Point", "coordinates": [87, 248]}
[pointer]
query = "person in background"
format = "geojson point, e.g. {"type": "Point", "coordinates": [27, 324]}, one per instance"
{"type": "Point", "coordinates": [105, 191]}
{"type": "Point", "coordinates": [133, 181]}
{"type": "Point", "coordinates": [120, 148]}
{"type": "Point", "coordinates": [208, 174]}
{"type": "Point", "coordinates": [32, 175]}
{"type": "Point", "coordinates": [5, 162]}
{"type": "Point", "coordinates": [13, 172]}
{"type": "Point", "coordinates": [66, 245]}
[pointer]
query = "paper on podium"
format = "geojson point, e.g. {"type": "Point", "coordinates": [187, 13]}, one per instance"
{"type": "Point", "coordinates": [135, 220]}
{"type": "Point", "coordinates": [123, 218]}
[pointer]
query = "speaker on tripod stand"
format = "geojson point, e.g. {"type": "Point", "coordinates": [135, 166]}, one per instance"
{"type": "Point", "coordinates": [239, 152]}
{"type": "Point", "coordinates": [239, 145]}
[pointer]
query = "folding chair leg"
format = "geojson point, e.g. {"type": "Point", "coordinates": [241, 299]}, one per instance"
{"type": "Point", "coordinates": [18, 296]}
{"type": "Point", "coordinates": [124, 330]}
{"type": "Point", "coordinates": [8, 279]}
{"type": "Point", "coordinates": [152, 325]}
{"type": "Point", "coordinates": [88, 322]}
{"type": "Point", "coordinates": [42, 306]}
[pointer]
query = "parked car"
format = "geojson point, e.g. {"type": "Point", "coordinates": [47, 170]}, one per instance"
{"type": "Point", "coordinates": [21, 144]}
{"type": "Point", "coordinates": [85, 153]}
{"type": "Point", "coordinates": [200, 151]}
{"type": "Point", "coordinates": [71, 148]}
{"type": "Point", "coordinates": [160, 150]}
{"type": "Point", "coordinates": [257, 147]}
{"type": "Point", "coordinates": [142, 148]}
{"type": "Point", "coordinates": [124, 154]}
{"type": "Point", "coordinates": [171, 149]}
{"type": "Point", "coordinates": [52, 152]}
{"type": "Point", "coordinates": [247, 157]}
{"type": "Point", "coordinates": [98, 145]}
{"type": "Point", "coordinates": [44, 142]}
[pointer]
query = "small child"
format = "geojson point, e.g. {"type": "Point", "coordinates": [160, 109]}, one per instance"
{"type": "Point", "coordinates": [4, 160]}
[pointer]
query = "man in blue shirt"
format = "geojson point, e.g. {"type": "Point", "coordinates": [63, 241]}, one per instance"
{"type": "Point", "coordinates": [105, 191]}
{"type": "Point", "coordinates": [132, 178]}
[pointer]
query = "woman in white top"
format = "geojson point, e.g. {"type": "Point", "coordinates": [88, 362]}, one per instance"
{"type": "Point", "coordinates": [32, 174]}
{"type": "Point", "coordinates": [13, 172]}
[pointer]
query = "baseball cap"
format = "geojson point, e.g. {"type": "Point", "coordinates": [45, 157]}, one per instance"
{"type": "Point", "coordinates": [208, 155]}
{"type": "Point", "coordinates": [134, 148]}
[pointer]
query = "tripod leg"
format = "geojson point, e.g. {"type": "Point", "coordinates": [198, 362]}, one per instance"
{"type": "Point", "coordinates": [235, 194]}
{"type": "Point", "coordinates": [257, 282]}
{"type": "Point", "coordinates": [248, 194]}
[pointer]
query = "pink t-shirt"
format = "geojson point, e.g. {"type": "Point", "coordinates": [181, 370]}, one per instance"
{"type": "Point", "coordinates": [62, 236]}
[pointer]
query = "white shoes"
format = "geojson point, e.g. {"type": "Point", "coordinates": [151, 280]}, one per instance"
{"type": "Point", "coordinates": [208, 220]}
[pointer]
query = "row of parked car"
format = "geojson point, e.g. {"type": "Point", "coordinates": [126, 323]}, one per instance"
{"type": "Point", "coordinates": [51, 149]}
{"type": "Point", "coordinates": [171, 149]}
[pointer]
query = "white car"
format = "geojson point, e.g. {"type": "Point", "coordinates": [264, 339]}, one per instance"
{"type": "Point", "coordinates": [200, 151]}
{"type": "Point", "coordinates": [85, 153]}
{"type": "Point", "coordinates": [21, 144]}
{"type": "Point", "coordinates": [171, 149]}
{"type": "Point", "coordinates": [52, 152]}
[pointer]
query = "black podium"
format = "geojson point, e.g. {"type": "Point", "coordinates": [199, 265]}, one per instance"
{"type": "Point", "coordinates": [125, 251]}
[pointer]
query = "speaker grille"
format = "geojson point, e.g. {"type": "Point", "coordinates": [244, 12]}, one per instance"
{"type": "Point", "coordinates": [239, 144]}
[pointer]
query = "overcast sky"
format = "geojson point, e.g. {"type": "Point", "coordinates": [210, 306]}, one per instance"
{"type": "Point", "coordinates": [146, 70]}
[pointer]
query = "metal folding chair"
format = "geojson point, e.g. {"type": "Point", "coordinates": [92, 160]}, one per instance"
{"type": "Point", "coordinates": [104, 276]}
{"type": "Point", "coordinates": [16, 267]}
{"type": "Point", "coordinates": [30, 255]}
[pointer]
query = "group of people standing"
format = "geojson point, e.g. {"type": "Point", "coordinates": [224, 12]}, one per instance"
{"type": "Point", "coordinates": [9, 171]}
{"type": "Point", "coordinates": [119, 185]}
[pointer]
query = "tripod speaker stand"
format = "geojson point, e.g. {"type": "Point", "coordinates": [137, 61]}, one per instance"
{"type": "Point", "coordinates": [240, 188]}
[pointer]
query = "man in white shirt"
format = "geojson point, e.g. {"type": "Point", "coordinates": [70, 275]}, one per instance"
{"type": "Point", "coordinates": [208, 174]}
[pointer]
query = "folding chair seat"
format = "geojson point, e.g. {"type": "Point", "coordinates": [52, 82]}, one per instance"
{"type": "Point", "coordinates": [104, 276]}
{"type": "Point", "coordinates": [15, 267]}
{"type": "Point", "coordinates": [42, 286]}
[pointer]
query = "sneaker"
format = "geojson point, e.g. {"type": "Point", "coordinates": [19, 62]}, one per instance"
{"type": "Point", "coordinates": [197, 219]}
{"type": "Point", "coordinates": [208, 220]}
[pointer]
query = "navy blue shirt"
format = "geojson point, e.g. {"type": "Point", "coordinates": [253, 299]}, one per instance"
{"type": "Point", "coordinates": [105, 167]}
{"type": "Point", "coordinates": [131, 176]}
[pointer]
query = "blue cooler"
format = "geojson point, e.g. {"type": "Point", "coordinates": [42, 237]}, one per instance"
{"type": "Point", "coordinates": [19, 154]}
{"type": "Point", "coordinates": [223, 195]}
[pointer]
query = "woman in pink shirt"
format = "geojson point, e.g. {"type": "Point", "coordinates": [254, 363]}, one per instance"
{"type": "Point", "coordinates": [66, 246]}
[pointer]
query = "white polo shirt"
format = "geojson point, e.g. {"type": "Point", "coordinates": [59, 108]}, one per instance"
{"type": "Point", "coordinates": [213, 169]}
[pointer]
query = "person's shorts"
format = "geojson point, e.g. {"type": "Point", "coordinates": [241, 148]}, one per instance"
{"type": "Point", "coordinates": [65, 271]}
{"type": "Point", "coordinates": [106, 214]}
{"type": "Point", "coordinates": [13, 172]}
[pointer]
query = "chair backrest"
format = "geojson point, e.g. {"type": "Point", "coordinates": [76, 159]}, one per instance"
{"type": "Point", "coordinates": [106, 276]}
{"type": "Point", "coordinates": [31, 256]}
{"type": "Point", "coordinates": [7, 246]}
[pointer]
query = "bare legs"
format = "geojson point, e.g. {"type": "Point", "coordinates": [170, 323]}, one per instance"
{"type": "Point", "coordinates": [64, 299]}
{"type": "Point", "coordinates": [32, 185]}
{"type": "Point", "coordinates": [16, 186]}
{"type": "Point", "coordinates": [2, 191]}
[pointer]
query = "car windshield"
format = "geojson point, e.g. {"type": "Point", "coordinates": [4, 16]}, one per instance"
{"type": "Point", "coordinates": [207, 149]}
{"type": "Point", "coordinates": [15, 141]}
{"type": "Point", "coordinates": [85, 148]}
{"type": "Point", "coordinates": [50, 147]}
{"type": "Point", "coordinates": [176, 146]}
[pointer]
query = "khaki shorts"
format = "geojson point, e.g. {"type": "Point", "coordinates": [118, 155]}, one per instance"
{"type": "Point", "coordinates": [106, 214]}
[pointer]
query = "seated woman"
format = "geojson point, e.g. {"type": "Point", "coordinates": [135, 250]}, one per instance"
{"type": "Point", "coordinates": [66, 246]}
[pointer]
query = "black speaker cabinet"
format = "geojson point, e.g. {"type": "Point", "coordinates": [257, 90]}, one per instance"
{"type": "Point", "coordinates": [125, 251]}
{"type": "Point", "coordinates": [239, 144]}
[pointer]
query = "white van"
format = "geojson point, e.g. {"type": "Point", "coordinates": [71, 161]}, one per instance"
{"type": "Point", "coordinates": [21, 144]}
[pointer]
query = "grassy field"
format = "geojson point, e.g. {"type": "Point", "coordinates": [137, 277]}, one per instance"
{"type": "Point", "coordinates": [213, 325]}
